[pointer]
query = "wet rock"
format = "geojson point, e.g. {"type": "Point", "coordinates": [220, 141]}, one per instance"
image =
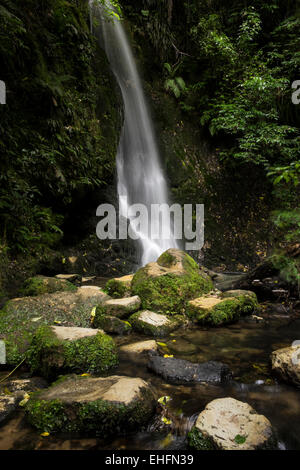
{"type": "Point", "coordinates": [58, 350]}
{"type": "Point", "coordinates": [181, 371]}
{"type": "Point", "coordinates": [22, 316]}
{"type": "Point", "coordinates": [181, 346]}
{"type": "Point", "coordinates": [119, 286]}
{"type": "Point", "coordinates": [112, 324]}
{"type": "Point", "coordinates": [286, 364]}
{"type": "Point", "coordinates": [154, 324]}
{"type": "Point", "coordinates": [101, 406]}
{"type": "Point", "coordinates": [46, 285]}
{"type": "Point", "coordinates": [139, 347]}
{"type": "Point", "coordinates": [166, 285]}
{"type": "Point", "coordinates": [229, 424]}
{"type": "Point", "coordinates": [120, 308]}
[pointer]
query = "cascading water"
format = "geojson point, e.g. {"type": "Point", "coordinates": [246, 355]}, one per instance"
{"type": "Point", "coordinates": [140, 176]}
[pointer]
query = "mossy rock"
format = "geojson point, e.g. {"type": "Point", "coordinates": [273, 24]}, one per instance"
{"type": "Point", "coordinates": [46, 285]}
{"type": "Point", "coordinates": [229, 424]}
{"type": "Point", "coordinates": [56, 351]}
{"type": "Point", "coordinates": [120, 308]}
{"type": "Point", "coordinates": [119, 286]}
{"type": "Point", "coordinates": [97, 406]}
{"type": "Point", "coordinates": [112, 324]}
{"type": "Point", "coordinates": [167, 285]}
{"type": "Point", "coordinates": [21, 317]}
{"type": "Point", "coordinates": [154, 324]}
{"type": "Point", "coordinates": [213, 311]}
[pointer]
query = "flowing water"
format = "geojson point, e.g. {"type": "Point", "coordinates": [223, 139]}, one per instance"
{"type": "Point", "coordinates": [141, 178]}
{"type": "Point", "coordinates": [245, 347]}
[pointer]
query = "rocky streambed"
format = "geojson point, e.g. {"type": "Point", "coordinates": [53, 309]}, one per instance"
{"type": "Point", "coordinates": [157, 361]}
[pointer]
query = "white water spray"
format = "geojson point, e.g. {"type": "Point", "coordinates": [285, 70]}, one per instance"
{"type": "Point", "coordinates": [140, 176]}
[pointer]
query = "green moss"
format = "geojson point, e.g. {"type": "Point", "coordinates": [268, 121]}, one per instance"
{"type": "Point", "coordinates": [169, 293]}
{"type": "Point", "coordinates": [198, 441]}
{"type": "Point", "coordinates": [41, 285]}
{"type": "Point", "coordinates": [99, 417]}
{"type": "Point", "coordinates": [152, 330]}
{"type": "Point", "coordinates": [116, 289]}
{"type": "Point", "coordinates": [50, 356]}
{"type": "Point", "coordinates": [166, 259]}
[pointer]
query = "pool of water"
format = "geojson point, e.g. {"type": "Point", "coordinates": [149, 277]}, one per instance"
{"type": "Point", "coordinates": [245, 347]}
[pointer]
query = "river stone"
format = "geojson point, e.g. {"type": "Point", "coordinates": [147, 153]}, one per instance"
{"type": "Point", "coordinates": [229, 424]}
{"type": "Point", "coordinates": [180, 371]}
{"type": "Point", "coordinates": [120, 308]}
{"type": "Point", "coordinates": [286, 364]}
{"type": "Point", "coordinates": [154, 324]}
{"type": "Point", "coordinates": [45, 285]}
{"type": "Point", "coordinates": [166, 285]}
{"type": "Point", "coordinates": [119, 286]}
{"type": "Point", "coordinates": [20, 317]}
{"type": "Point", "coordinates": [112, 324]}
{"type": "Point", "coordinates": [102, 406]}
{"type": "Point", "coordinates": [215, 311]}
{"type": "Point", "coordinates": [58, 350]}
{"type": "Point", "coordinates": [139, 347]}
{"type": "Point", "coordinates": [238, 293]}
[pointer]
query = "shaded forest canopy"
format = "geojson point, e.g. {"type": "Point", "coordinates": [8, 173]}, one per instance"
{"type": "Point", "coordinates": [228, 66]}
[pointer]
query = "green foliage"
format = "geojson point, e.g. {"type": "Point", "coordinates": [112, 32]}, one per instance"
{"type": "Point", "coordinates": [174, 84]}
{"type": "Point", "coordinates": [58, 129]}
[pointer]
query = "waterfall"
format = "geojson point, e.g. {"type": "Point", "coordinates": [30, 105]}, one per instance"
{"type": "Point", "coordinates": [141, 178]}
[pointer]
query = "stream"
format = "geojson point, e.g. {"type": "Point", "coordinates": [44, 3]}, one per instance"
{"type": "Point", "coordinates": [245, 347]}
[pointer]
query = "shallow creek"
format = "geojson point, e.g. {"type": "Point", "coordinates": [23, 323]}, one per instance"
{"type": "Point", "coordinates": [245, 347]}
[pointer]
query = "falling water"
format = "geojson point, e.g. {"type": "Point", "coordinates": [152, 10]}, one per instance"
{"type": "Point", "coordinates": [140, 175]}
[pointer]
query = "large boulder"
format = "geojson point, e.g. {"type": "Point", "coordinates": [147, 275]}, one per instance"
{"type": "Point", "coordinates": [119, 286]}
{"type": "Point", "coordinates": [120, 308]}
{"type": "Point", "coordinates": [154, 324]}
{"type": "Point", "coordinates": [101, 406]}
{"type": "Point", "coordinates": [180, 371]}
{"type": "Point", "coordinates": [166, 285]}
{"type": "Point", "coordinates": [46, 285]}
{"type": "Point", "coordinates": [216, 310]}
{"type": "Point", "coordinates": [59, 350]}
{"type": "Point", "coordinates": [22, 316]}
{"type": "Point", "coordinates": [286, 364]}
{"type": "Point", "coordinates": [229, 424]}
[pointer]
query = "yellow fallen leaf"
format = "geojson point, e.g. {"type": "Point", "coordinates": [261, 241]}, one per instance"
{"type": "Point", "coordinates": [164, 400]}
{"type": "Point", "coordinates": [45, 434]}
{"type": "Point", "coordinates": [25, 399]}
{"type": "Point", "coordinates": [168, 355]}
{"type": "Point", "coordinates": [166, 420]}
{"type": "Point", "coordinates": [85, 375]}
